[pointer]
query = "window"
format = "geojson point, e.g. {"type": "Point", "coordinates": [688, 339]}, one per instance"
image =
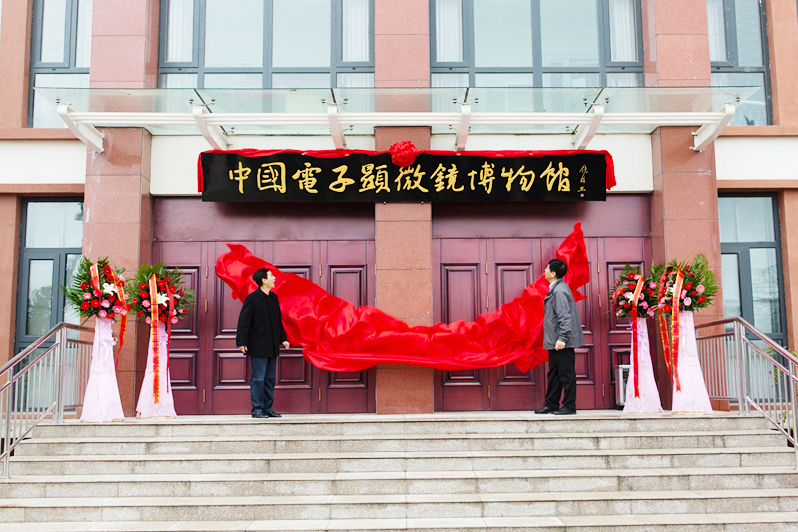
{"type": "Point", "coordinates": [738, 51]}
{"type": "Point", "coordinates": [536, 43]}
{"type": "Point", "coordinates": [50, 251]}
{"type": "Point", "coordinates": [60, 54]}
{"type": "Point", "coordinates": [751, 263]}
{"type": "Point", "coordinates": [267, 44]}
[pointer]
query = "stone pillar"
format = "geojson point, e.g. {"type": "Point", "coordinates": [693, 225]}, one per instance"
{"type": "Point", "coordinates": [117, 201]}
{"type": "Point", "coordinates": [15, 36]}
{"type": "Point", "coordinates": [782, 25]}
{"type": "Point", "coordinates": [118, 224]}
{"type": "Point", "coordinates": [10, 209]}
{"type": "Point", "coordinates": [403, 232]}
{"type": "Point", "coordinates": [403, 244]}
{"type": "Point", "coordinates": [684, 204]}
{"type": "Point", "coordinates": [788, 217]}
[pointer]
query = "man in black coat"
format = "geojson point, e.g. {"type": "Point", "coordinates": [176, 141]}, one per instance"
{"type": "Point", "coordinates": [562, 332]}
{"type": "Point", "coordinates": [259, 336]}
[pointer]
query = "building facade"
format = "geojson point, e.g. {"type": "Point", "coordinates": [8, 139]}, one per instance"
{"type": "Point", "coordinates": [136, 201]}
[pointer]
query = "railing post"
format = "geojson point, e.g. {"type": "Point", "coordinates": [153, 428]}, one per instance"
{"type": "Point", "coordinates": [742, 371]}
{"type": "Point", "coordinates": [58, 413]}
{"type": "Point", "coordinates": [794, 407]}
{"type": "Point", "coordinates": [7, 431]}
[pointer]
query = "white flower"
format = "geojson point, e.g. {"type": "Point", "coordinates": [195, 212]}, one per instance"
{"type": "Point", "coordinates": [162, 298]}
{"type": "Point", "coordinates": [109, 288]}
{"type": "Point", "coordinates": [629, 295]}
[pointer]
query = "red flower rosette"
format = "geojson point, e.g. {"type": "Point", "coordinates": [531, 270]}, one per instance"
{"type": "Point", "coordinates": [403, 153]}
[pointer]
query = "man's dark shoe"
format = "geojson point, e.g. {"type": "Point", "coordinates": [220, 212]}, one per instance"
{"type": "Point", "coordinates": [260, 415]}
{"type": "Point", "coordinates": [564, 412]}
{"type": "Point", "coordinates": [546, 410]}
{"type": "Point", "coordinates": [272, 413]}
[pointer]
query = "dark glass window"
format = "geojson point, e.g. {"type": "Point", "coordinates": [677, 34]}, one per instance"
{"type": "Point", "coordinates": [536, 43]}
{"type": "Point", "coordinates": [738, 51]}
{"type": "Point", "coordinates": [60, 53]}
{"type": "Point", "coordinates": [751, 263]}
{"type": "Point", "coordinates": [267, 43]}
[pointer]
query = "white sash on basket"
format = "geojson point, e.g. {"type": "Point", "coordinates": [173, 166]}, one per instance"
{"type": "Point", "coordinates": [101, 402]}
{"type": "Point", "coordinates": [648, 394]}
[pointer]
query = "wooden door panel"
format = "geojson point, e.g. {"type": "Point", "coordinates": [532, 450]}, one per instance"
{"type": "Point", "coordinates": [346, 276]}
{"type": "Point", "coordinates": [185, 345]}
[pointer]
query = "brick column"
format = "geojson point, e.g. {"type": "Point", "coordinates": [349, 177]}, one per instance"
{"type": "Point", "coordinates": [782, 25]}
{"type": "Point", "coordinates": [403, 232]}
{"type": "Point", "coordinates": [15, 36]}
{"type": "Point", "coordinates": [10, 209]}
{"type": "Point", "coordinates": [684, 204]}
{"type": "Point", "coordinates": [118, 205]}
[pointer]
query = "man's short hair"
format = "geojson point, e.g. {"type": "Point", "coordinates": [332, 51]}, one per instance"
{"type": "Point", "coordinates": [260, 275]}
{"type": "Point", "coordinates": [558, 268]}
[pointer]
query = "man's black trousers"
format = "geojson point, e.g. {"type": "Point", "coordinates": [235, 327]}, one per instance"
{"type": "Point", "coordinates": [261, 386]}
{"type": "Point", "coordinates": [562, 378]}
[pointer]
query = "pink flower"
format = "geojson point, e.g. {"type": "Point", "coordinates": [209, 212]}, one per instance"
{"type": "Point", "coordinates": [619, 313]}
{"type": "Point", "coordinates": [145, 303]}
{"type": "Point", "coordinates": [651, 312]}
{"type": "Point", "coordinates": [148, 320]}
{"type": "Point", "coordinates": [86, 296]}
{"type": "Point", "coordinates": [644, 304]}
{"type": "Point", "coordinates": [96, 293]}
{"type": "Point", "coordinates": [688, 302]}
{"type": "Point", "coordinates": [684, 294]}
{"type": "Point", "coordinates": [180, 310]}
{"type": "Point", "coordinates": [106, 303]}
{"type": "Point", "coordinates": [102, 314]}
{"type": "Point", "coordinates": [652, 285]}
{"type": "Point", "coordinates": [174, 320]}
{"type": "Point", "coordinates": [117, 310]}
{"type": "Point", "coordinates": [700, 289]}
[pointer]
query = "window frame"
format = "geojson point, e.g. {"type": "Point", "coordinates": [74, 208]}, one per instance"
{"type": "Point", "coordinates": [742, 250]}
{"type": "Point", "coordinates": [606, 65]}
{"type": "Point", "coordinates": [731, 66]}
{"type": "Point", "coordinates": [59, 258]}
{"type": "Point", "coordinates": [70, 49]}
{"type": "Point", "coordinates": [196, 66]}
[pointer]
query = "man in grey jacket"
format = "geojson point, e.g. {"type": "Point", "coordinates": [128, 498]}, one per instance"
{"type": "Point", "coordinates": [562, 332]}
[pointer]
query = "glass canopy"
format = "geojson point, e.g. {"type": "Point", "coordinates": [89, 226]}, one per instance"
{"type": "Point", "coordinates": [305, 111]}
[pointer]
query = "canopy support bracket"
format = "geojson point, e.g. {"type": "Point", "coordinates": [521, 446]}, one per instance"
{"type": "Point", "coordinates": [709, 132]}
{"type": "Point", "coordinates": [465, 124]}
{"type": "Point", "coordinates": [585, 132]}
{"type": "Point", "coordinates": [87, 133]}
{"type": "Point", "coordinates": [339, 140]}
{"type": "Point", "coordinates": [213, 134]}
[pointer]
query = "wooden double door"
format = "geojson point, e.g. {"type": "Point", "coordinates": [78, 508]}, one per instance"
{"type": "Point", "coordinates": [478, 275]}
{"type": "Point", "coordinates": [210, 376]}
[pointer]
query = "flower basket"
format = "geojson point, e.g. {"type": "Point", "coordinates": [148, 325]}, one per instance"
{"type": "Point", "coordinates": [635, 296]}
{"type": "Point", "coordinates": [97, 291]}
{"type": "Point", "coordinates": [159, 296]}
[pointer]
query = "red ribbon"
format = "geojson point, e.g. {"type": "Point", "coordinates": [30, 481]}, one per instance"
{"type": "Point", "coordinates": [95, 277]}
{"type": "Point", "coordinates": [677, 293]}
{"type": "Point", "coordinates": [156, 343]}
{"type": "Point", "coordinates": [169, 332]}
{"type": "Point", "coordinates": [663, 327]}
{"type": "Point", "coordinates": [636, 363]}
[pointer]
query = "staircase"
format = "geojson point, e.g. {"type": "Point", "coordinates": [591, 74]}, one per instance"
{"type": "Point", "coordinates": [596, 471]}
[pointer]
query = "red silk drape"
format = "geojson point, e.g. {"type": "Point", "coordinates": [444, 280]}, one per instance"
{"type": "Point", "coordinates": [337, 336]}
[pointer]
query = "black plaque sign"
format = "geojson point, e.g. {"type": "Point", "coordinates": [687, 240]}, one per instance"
{"type": "Point", "coordinates": [291, 176]}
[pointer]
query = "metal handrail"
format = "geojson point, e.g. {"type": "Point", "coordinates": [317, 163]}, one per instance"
{"type": "Point", "coordinates": [763, 377]}
{"type": "Point", "coordinates": [42, 386]}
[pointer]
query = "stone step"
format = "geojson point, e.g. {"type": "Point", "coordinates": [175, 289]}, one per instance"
{"type": "Point", "coordinates": [133, 445]}
{"type": "Point", "coordinates": [401, 461]}
{"type": "Point", "coordinates": [398, 483]}
{"type": "Point", "coordinates": [369, 424]}
{"type": "Point", "coordinates": [742, 522]}
{"type": "Point", "coordinates": [425, 506]}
